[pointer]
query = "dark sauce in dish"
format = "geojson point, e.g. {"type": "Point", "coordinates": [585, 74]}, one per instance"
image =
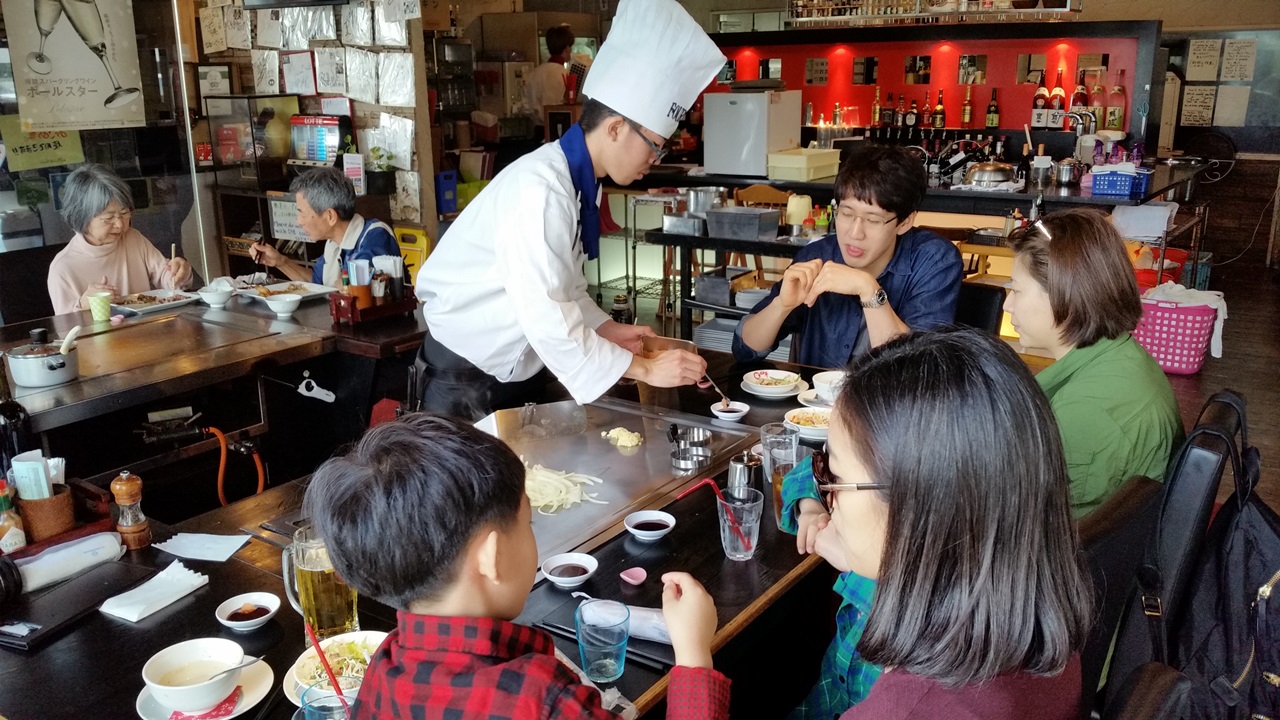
{"type": "Point", "coordinates": [242, 615]}
{"type": "Point", "coordinates": [650, 526]}
{"type": "Point", "coordinates": [568, 570]}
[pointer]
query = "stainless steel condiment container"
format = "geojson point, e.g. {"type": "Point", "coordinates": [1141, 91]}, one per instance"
{"type": "Point", "coordinates": [746, 470]}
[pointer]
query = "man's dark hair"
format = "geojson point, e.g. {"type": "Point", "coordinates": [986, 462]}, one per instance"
{"type": "Point", "coordinates": [559, 39]}
{"type": "Point", "coordinates": [982, 571]}
{"type": "Point", "coordinates": [593, 113]}
{"type": "Point", "coordinates": [397, 510]}
{"type": "Point", "coordinates": [889, 177]}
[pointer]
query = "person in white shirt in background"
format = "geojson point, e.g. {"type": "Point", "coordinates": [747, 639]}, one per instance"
{"type": "Point", "coordinates": [504, 294]}
{"type": "Point", "coordinates": [545, 83]}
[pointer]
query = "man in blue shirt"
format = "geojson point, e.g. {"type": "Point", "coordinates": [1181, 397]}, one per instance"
{"type": "Point", "coordinates": [877, 277]}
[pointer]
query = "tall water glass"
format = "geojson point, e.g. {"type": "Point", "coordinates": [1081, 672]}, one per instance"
{"type": "Point", "coordinates": [780, 445]}
{"type": "Point", "coordinates": [739, 514]}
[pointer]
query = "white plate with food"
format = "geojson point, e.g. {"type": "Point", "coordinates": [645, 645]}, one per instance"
{"type": "Point", "coordinates": [811, 423]}
{"type": "Point", "coordinates": [255, 682]}
{"type": "Point", "coordinates": [152, 301]}
{"type": "Point", "coordinates": [348, 654]}
{"type": "Point", "coordinates": [304, 290]}
{"type": "Point", "coordinates": [811, 398]}
{"type": "Point", "coordinates": [775, 383]}
{"type": "Point", "coordinates": [800, 387]}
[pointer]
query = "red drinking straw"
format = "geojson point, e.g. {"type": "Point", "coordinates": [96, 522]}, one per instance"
{"type": "Point", "coordinates": [733, 523]}
{"type": "Point", "coordinates": [324, 662]}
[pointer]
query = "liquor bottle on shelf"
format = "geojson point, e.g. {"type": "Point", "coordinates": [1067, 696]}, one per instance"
{"type": "Point", "coordinates": [1117, 102]}
{"type": "Point", "coordinates": [1040, 105]}
{"type": "Point", "coordinates": [939, 113]}
{"type": "Point", "coordinates": [1098, 99]}
{"type": "Point", "coordinates": [835, 116]}
{"type": "Point", "coordinates": [1057, 104]}
{"type": "Point", "coordinates": [911, 118]}
{"type": "Point", "coordinates": [993, 112]}
{"type": "Point", "coordinates": [1079, 98]}
{"type": "Point", "coordinates": [875, 108]}
{"type": "Point", "coordinates": [900, 114]}
{"type": "Point", "coordinates": [886, 113]}
{"type": "Point", "coordinates": [966, 110]}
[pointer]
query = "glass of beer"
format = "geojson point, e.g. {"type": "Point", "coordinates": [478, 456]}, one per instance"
{"type": "Point", "coordinates": [313, 587]}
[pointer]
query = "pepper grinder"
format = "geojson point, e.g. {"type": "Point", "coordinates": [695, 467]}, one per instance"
{"type": "Point", "coordinates": [132, 525]}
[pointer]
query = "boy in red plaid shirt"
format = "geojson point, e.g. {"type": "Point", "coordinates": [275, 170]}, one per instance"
{"type": "Point", "coordinates": [427, 514]}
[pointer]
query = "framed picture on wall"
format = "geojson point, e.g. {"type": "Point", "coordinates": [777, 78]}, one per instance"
{"type": "Point", "coordinates": [213, 80]}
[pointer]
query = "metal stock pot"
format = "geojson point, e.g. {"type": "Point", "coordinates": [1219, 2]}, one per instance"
{"type": "Point", "coordinates": [41, 363]}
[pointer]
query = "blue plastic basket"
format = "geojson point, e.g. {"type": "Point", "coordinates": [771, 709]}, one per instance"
{"type": "Point", "coordinates": [1142, 181]}
{"type": "Point", "coordinates": [1112, 184]}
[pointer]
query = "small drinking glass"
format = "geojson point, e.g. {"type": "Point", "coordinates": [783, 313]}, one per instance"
{"type": "Point", "coordinates": [739, 513]}
{"type": "Point", "coordinates": [320, 702]}
{"type": "Point", "coordinates": [603, 627]}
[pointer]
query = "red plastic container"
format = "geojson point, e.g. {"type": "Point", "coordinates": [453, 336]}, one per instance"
{"type": "Point", "coordinates": [1147, 279]}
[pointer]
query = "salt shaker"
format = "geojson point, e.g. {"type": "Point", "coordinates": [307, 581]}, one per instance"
{"type": "Point", "coordinates": [132, 525]}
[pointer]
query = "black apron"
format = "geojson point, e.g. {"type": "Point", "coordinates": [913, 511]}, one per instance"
{"type": "Point", "coordinates": [451, 385]}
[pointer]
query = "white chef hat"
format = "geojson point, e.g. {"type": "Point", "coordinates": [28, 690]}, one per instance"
{"type": "Point", "coordinates": [654, 64]}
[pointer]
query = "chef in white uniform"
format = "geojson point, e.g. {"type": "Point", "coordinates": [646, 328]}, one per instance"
{"type": "Point", "coordinates": [504, 294]}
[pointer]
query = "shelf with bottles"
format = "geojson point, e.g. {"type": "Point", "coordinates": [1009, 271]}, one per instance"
{"type": "Point", "coordinates": [852, 13]}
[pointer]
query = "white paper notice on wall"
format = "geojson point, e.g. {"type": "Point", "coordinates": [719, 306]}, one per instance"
{"type": "Point", "coordinates": [1202, 60]}
{"type": "Point", "coordinates": [357, 23]}
{"type": "Point", "coordinates": [408, 203]}
{"type": "Point", "coordinates": [284, 221]}
{"type": "Point", "coordinates": [362, 76]}
{"type": "Point", "coordinates": [395, 79]}
{"type": "Point", "coordinates": [269, 35]}
{"type": "Point", "coordinates": [1197, 105]}
{"type": "Point", "coordinates": [397, 10]}
{"type": "Point", "coordinates": [1232, 105]}
{"type": "Point", "coordinates": [237, 24]}
{"type": "Point", "coordinates": [1238, 59]}
{"type": "Point", "coordinates": [331, 74]}
{"type": "Point", "coordinates": [217, 3]}
{"type": "Point", "coordinates": [299, 74]}
{"type": "Point", "coordinates": [213, 33]}
{"type": "Point", "coordinates": [266, 71]}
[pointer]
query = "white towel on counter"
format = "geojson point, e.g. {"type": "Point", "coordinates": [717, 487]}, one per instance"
{"type": "Point", "coordinates": [170, 585]}
{"type": "Point", "coordinates": [202, 546]}
{"type": "Point", "coordinates": [1173, 292]}
{"type": "Point", "coordinates": [68, 560]}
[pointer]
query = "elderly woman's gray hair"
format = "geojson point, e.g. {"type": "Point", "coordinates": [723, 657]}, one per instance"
{"type": "Point", "coordinates": [88, 191]}
{"type": "Point", "coordinates": [326, 189]}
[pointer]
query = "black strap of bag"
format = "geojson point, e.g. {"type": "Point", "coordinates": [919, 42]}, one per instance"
{"type": "Point", "coordinates": [1246, 474]}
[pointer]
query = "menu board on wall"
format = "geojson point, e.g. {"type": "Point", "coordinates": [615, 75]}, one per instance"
{"type": "Point", "coordinates": [76, 64]}
{"type": "Point", "coordinates": [1238, 59]}
{"type": "Point", "coordinates": [1202, 60]}
{"type": "Point", "coordinates": [1197, 105]}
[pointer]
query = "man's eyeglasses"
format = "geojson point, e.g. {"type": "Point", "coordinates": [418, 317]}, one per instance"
{"type": "Point", "coordinates": [822, 481]}
{"type": "Point", "coordinates": [659, 151]}
{"type": "Point", "coordinates": [869, 222]}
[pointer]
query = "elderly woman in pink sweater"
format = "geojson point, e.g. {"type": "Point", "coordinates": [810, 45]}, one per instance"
{"type": "Point", "coordinates": [106, 254]}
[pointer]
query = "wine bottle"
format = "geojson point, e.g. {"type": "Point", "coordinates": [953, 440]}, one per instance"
{"type": "Point", "coordinates": [966, 110]}
{"type": "Point", "coordinates": [875, 108]}
{"type": "Point", "coordinates": [900, 114]}
{"type": "Point", "coordinates": [1057, 104]}
{"type": "Point", "coordinates": [1040, 105]}
{"type": "Point", "coordinates": [912, 117]}
{"type": "Point", "coordinates": [1098, 98]}
{"type": "Point", "coordinates": [993, 112]}
{"type": "Point", "coordinates": [1117, 103]}
{"type": "Point", "coordinates": [886, 113]}
{"type": "Point", "coordinates": [15, 425]}
{"type": "Point", "coordinates": [1079, 98]}
{"type": "Point", "coordinates": [939, 113]}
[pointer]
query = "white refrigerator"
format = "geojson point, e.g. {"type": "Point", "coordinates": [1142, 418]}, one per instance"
{"type": "Point", "coordinates": [741, 128]}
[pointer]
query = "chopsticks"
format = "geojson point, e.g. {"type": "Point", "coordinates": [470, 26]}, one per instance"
{"type": "Point", "coordinates": [733, 523]}
{"type": "Point", "coordinates": [640, 657]}
{"type": "Point", "coordinates": [328, 670]}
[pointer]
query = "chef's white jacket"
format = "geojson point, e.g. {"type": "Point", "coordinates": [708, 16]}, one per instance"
{"type": "Point", "coordinates": [505, 287]}
{"type": "Point", "coordinates": [544, 85]}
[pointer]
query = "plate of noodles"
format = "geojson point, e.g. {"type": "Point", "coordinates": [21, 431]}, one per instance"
{"type": "Point", "coordinates": [304, 290]}
{"type": "Point", "coordinates": [771, 382]}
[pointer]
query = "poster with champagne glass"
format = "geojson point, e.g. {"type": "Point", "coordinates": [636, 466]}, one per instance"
{"type": "Point", "coordinates": [75, 63]}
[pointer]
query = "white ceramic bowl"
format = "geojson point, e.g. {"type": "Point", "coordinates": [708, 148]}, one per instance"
{"type": "Point", "coordinates": [788, 381]}
{"type": "Point", "coordinates": [808, 431]}
{"type": "Point", "coordinates": [638, 517]}
{"type": "Point", "coordinates": [262, 599]}
{"type": "Point", "coordinates": [828, 385]}
{"type": "Point", "coordinates": [283, 305]}
{"type": "Point", "coordinates": [735, 411]}
{"type": "Point", "coordinates": [214, 297]}
{"type": "Point", "coordinates": [299, 674]}
{"type": "Point", "coordinates": [200, 697]}
{"type": "Point", "coordinates": [568, 583]}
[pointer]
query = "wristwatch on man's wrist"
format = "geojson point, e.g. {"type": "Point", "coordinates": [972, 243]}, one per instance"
{"type": "Point", "coordinates": [876, 300]}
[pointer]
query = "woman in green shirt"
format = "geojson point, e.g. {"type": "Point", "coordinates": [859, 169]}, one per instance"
{"type": "Point", "coordinates": [1073, 294]}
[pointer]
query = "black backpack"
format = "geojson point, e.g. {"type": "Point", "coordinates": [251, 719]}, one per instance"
{"type": "Point", "coordinates": [1227, 634]}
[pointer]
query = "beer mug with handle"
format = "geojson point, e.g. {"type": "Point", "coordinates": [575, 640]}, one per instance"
{"type": "Point", "coordinates": [313, 587]}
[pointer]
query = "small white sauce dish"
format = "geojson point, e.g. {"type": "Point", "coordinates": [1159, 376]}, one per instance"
{"type": "Point", "coordinates": [193, 656]}
{"type": "Point", "coordinates": [283, 305]}
{"type": "Point", "coordinates": [216, 297]}
{"type": "Point", "coordinates": [565, 560]}
{"type": "Point", "coordinates": [261, 599]}
{"type": "Point", "coordinates": [643, 516]}
{"type": "Point", "coordinates": [736, 410]}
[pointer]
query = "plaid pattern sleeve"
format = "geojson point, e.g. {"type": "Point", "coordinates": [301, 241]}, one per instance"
{"type": "Point", "coordinates": [697, 694]}
{"type": "Point", "coordinates": [846, 678]}
{"type": "Point", "coordinates": [796, 486]}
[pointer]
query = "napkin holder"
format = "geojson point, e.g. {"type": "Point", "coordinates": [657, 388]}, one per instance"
{"type": "Point", "coordinates": [344, 310]}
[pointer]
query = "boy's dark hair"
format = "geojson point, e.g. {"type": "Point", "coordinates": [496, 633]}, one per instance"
{"type": "Point", "coordinates": [982, 572]}
{"type": "Point", "coordinates": [1085, 268]}
{"type": "Point", "coordinates": [593, 113]}
{"type": "Point", "coordinates": [559, 39]}
{"type": "Point", "coordinates": [398, 509]}
{"type": "Point", "coordinates": [889, 177]}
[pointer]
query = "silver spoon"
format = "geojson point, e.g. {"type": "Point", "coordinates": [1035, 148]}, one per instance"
{"type": "Point", "coordinates": [244, 664]}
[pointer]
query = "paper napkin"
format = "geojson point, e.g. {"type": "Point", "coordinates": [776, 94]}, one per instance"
{"type": "Point", "coordinates": [170, 585]}
{"type": "Point", "coordinates": [201, 546]}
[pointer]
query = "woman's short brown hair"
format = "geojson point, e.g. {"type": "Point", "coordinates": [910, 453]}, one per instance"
{"type": "Point", "coordinates": [1080, 260]}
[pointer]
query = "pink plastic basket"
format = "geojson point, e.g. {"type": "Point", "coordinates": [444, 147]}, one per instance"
{"type": "Point", "coordinates": [1176, 335]}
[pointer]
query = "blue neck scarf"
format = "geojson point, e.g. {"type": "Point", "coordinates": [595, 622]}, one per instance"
{"type": "Point", "coordinates": [583, 173]}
